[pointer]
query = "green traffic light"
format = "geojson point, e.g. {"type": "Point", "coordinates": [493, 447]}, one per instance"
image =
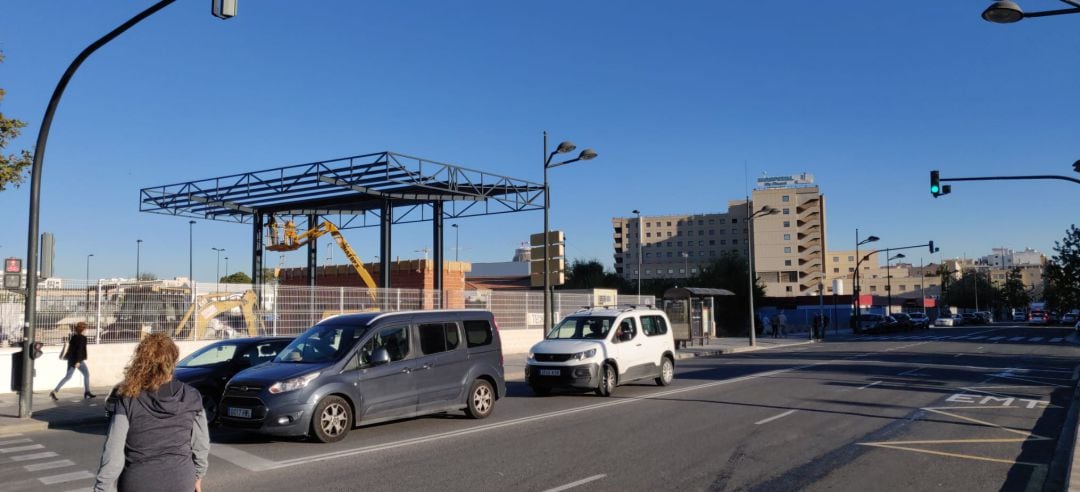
{"type": "Point", "coordinates": [935, 189]}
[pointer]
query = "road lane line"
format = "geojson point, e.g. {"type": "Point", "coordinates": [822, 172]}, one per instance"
{"type": "Point", "coordinates": [1016, 339]}
{"type": "Point", "coordinates": [66, 477]}
{"type": "Point", "coordinates": [977, 338]}
{"type": "Point", "coordinates": [48, 465]}
{"type": "Point", "coordinates": [575, 484]}
{"type": "Point", "coordinates": [995, 338]}
{"type": "Point", "coordinates": [774, 417]}
{"type": "Point", "coordinates": [1036, 339]}
{"type": "Point", "coordinates": [34, 456]}
{"type": "Point", "coordinates": [871, 384]}
{"type": "Point", "coordinates": [1056, 339]}
{"type": "Point", "coordinates": [17, 449]}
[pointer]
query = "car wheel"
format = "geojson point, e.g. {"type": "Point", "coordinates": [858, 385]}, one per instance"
{"type": "Point", "coordinates": [210, 407]}
{"type": "Point", "coordinates": [667, 372]}
{"type": "Point", "coordinates": [608, 380]}
{"type": "Point", "coordinates": [332, 419]}
{"type": "Point", "coordinates": [481, 400]}
{"type": "Point", "coordinates": [540, 390]}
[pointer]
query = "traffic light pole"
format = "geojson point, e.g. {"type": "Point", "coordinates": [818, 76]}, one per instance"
{"type": "Point", "coordinates": [1014, 178]}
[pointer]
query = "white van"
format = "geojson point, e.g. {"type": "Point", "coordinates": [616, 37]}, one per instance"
{"type": "Point", "coordinates": [599, 349]}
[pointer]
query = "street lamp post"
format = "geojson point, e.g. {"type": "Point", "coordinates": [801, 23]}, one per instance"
{"type": "Point", "coordinates": [190, 256]}
{"type": "Point", "coordinates": [456, 243]}
{"type": "Point", "coordinates": [88, 281]}
{"type": "Point", "coordinates": [888, 276]}
{"type": "Point", "coordinates": [765, 210]}
{"type": "Point", "coordinates": [217, 271]}
{"type": "Point", "coordinates": [226, 267]}
{"type": "Point", "coordinates": [138, 254]}
{"type": "Point", "coordinates": [686, 266]}
{"type": "Point", "coordinates": [222, 9]}
{"type": "Point", "coordinates": [563, 148]}
{"type": "Point", "coordinates": [858, 260]}
{"type": "Point", "coordinates": [639, 271]}
{"type": "Point", "coordinates": [1007, 12]}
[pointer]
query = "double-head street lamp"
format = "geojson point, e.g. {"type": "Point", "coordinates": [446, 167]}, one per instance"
{"type": "Point", "coordinates": [222, 9]}
{"type": "Point", "coordinates": [1007, 12]}
{"type": "Point", "coordinates": [138, 255]}
{"type": "Point", "coordinates": [564, 147]}
{"type": "Point", "coordinates": [217, 271]}
{"type": "Point", "coordinates": [858, 260]}
{"type": "Point", "coordinates": [888, 277]}
{"type": "Point", "coordinates": [765, 210]}
{"type": "Point", "coordinates": [639, 272]}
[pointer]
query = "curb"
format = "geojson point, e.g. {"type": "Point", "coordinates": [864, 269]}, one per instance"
{"type": "Point", "coordinates": [34, 425]}
{"type": "Point", "coordinates": [690, 353]}
{"type": "Point", "coordinates": [1065, 463]}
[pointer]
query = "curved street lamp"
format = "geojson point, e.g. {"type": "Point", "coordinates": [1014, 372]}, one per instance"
{"type": "Point", "coordinates": [1008, 12]}
{"type": "Point", "coordinates": [765, 210]}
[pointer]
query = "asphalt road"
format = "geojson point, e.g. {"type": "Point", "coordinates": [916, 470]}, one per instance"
{"type": "Point", "coordinates": [954, 409]}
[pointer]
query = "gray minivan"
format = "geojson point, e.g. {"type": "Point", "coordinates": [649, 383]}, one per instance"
{"type": "Point", "coordinates": [361, 369]}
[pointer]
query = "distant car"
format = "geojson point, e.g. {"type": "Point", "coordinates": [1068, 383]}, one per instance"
{"type": "Point", "coordinates": [1071, 317]}
{"type": "Point", "coordinates": [1038, 318]}
{"type": "Point", "coordinates": [902, 322]}
{"type": "Point", "coordinates": [211, 367]}
{"type": "Point", "coordinates": [949, 320]}
{"type": "Point", "coordinates": [870, 322]}
{"type": "Point", "coordinates": [971, 319]}
{"type": "Point", "coordinates": [920, 320]}
{"type": "Point", "coordinates": [984, 317]}
{"type": "Point", "coordinates": [1019, 317]}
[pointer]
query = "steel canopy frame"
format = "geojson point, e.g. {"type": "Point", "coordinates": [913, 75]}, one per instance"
{"type": "Point", "coordinates": [369, 190]}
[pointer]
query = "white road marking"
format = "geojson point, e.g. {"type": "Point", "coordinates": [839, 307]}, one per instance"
{"type": "Point", "coordinates": [1016, 339]}
{"type": "Point", "coordinates": [774, 417]}
{"type": "Point", "coordinates": [977, 338]}
{"type": "Point", "coordinates": [575, 484]}
{"type": "Point", "coordinates": [961, 338]}
{"type": "Point", "coordinates": [66, 477]}
{"type": "Point", "coordinates": [13, 441]}
{"type": "Point", "coordinates": [34, 456]}
{"type": "Point", "coordinates": [17, 449]}
{"type": "Point", "coordinates": [255, 463]}
{"type": "Point", "coordinates": [996, 338]}
{"type": "Point", "coordinates": [1056, 339]}
{"type": "Point", "coordinates": [1036, 339]}
{"type": "Point", "coordinates": [49, 465]}
{"type": "Point", "coordinates": [871, 384]}
{"type": "Point", "coordinates": [913, 372]}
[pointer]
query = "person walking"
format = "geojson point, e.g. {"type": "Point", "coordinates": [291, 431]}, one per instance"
{"type": "Point", "coordinates": [766, 326]}
{"type": "Point", "coordinates": [157, 438]}
{"type": "Point", "coordinates": [781, 323]}
{"type": "Point", "coordinates": [75, 355]}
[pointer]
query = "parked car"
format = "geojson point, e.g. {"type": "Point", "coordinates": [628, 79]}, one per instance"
{"type": "Point", "coordinates": [870, 322]}
{"type": "Point", "coordinates": [1070, 318]}
{"type": "Point", "coordinates": [211, 367]}
{"type": "Point", "coordinates": [971, 319]}
{"type": "Point", "coordinates": [947, 319]}
{"type": "Point", "coordinates": [902, 322]}
{"type": "Point", "coordinates": [361, 369]}
{"type": "Point", "coordinates": [1038, 318]}
{"type": "Point", "coordinates": [1019, 317]}
{"type": "Point", "coordinates": [920, 320]}
{"type": "Point", "coordinates": [599, 349]}
{"type": "Point", "coordinates": [985, 317]}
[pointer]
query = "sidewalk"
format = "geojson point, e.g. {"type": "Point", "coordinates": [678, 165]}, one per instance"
{"type": "Point", "coordinates": [71, 410]}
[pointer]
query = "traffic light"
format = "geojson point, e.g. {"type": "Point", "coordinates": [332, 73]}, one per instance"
{"type": "Point", "coordinates": [12, 273]}
{"type": "Point", "coordinates": [935, 183]}
{"type": "Point", "coordinates": [932, 248]}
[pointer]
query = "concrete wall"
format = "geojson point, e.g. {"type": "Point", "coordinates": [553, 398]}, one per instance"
{"type": "Point", "coordinates": [105, 361]}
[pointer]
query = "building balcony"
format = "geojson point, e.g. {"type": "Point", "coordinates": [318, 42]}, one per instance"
{"type": "Point", "coordinates": [810, 250]}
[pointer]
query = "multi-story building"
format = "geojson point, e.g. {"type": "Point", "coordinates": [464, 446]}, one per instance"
{"type": "Point", "coordinates": [789, 247]}
{"type": "Point", "coordinates": [676, 246]}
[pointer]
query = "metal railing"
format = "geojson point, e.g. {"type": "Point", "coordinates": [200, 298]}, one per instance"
{"type": "Point", "coordinates": [126, 311]}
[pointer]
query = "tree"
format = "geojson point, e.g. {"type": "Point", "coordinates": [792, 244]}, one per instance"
{"type": "Point", "coordinates": [12, 166]}
{"type": "Point", "coordinates": [236, 278]}
{"type": "Point", "coordinates": [1013, 293]}
{"type": "Point", "coordinates": [147, 276]}
{"type": "Point", "coordinates": [962, 293]}
{"type": "Point", "coordinates": [590, 274]}
{"type": "Point", "coordinates": [731, 272]}
{"type": "Point", "coordinates": [1062, 273]}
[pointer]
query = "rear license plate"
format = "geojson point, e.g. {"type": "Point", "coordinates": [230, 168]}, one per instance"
{"type": "Point", "coordinates": [549, 372]}
{"type": "Point", "coordinates": [244, 413]}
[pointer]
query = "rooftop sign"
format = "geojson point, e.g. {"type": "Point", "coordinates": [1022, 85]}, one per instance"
{"type": "Point", "coordinates": [768, 182]}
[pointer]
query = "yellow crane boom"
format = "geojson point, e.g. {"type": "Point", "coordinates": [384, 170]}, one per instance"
{"type": "Point", "coordinates": [292, 242]}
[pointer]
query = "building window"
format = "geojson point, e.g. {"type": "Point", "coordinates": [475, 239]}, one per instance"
{"type": "Point", "coordinates": [902, 286]}
{"type": "Point", "coordinates": [711, 221]}
{"type": "Point", "coordinates": [701, 233]}
{"type": "Point", "coordinates": [722, 232]}
{"type": "Point", "coordinates": [849, 269]}
{"type": "Point", "coordinates": [669, 270]}
{"type": "Point", "coordinates": [693, 270]}
{"type": "Point", "coordinates": [849, 258]}
{"type": "Point", "coordinates": [681, 270]}
{"type": "Point", "coordinates": [668, 224]}
{"type": "Point", "coordinates": [712, 232]}
{"type": "Point", "coordinates": [788, 288]}
{"type": "Point", "coordinates": [701, 243]}
{"type": "Point", "coordinates": [835, 259]}
{"type": "Point", "coordinates": [723, 241]}
{"type": "Point", "coordinates": [668, 255]}
{"type": "Point", "coordinates": [669, 234]}
{"type": "Point", "coordinates": [669, 244]}
{"type": "Point", "coordinates": [712, 253]}
{"type": "Point", "coordinates": [700, 222]}
{"type": "Point", "coordinates": [787, 262]}
{"type": "Point", "coordinates": [787, 211]}
{"type": "Point", "coordinates": [787, 249]}
{"type": "Point", "coordinates": [723, 221]}
{"type": "Point", "coordinates": [701, 254]}
{"type": "Point", "coordinates": [647, 234]}
{"type": "Point", "coordinates": [787, 237]}
{"type": "Point", "coordinates": [647, 224]}
{"type": "Point", "coordinates": [734, 221]}
{"type": "Point", "coordinates": [677, 243]}
{"type": "Point", "coordinates": [873, 288]}
{"type": "Point", "coordinates": [647, 272]}
{"type": "Point", "coordinates": [734, 230]}
{"type": "Point", "coordinates": [834, 270]}
{"type": "Point", "coordinates": [734, 241]}
{"type": "Point", "coordinates": [647, 255]}
{"type": "Point", "coordinates": [712, 242]}
{"type": "Point", "coordinates": [786, 198]}
{"type": "Point", "coordinates": [787, 223]}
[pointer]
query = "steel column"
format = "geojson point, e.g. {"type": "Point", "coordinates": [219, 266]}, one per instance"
{"type": "Point", "coordinates": [386, 224]}
{"type": "Point", "coordinates": [312, 251]}
{"type": "Point", "coordinates": [257, 256]}
{"type": "Point", "coordinates": [437, 244]}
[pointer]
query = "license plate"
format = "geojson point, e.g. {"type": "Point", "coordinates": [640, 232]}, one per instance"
{"type": "Point", "coordinates": [549, 372]}
{"type": "Point", "coordinates": [240, 412]}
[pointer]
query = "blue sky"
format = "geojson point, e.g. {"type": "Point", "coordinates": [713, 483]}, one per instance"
{"type": "Point", "coordinates": [675, 97]}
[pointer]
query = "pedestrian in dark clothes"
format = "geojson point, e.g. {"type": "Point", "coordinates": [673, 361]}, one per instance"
{"type": "Point", "coordinates": [157, 439]}
{"type": "Point", "coordinates": [75, 354]}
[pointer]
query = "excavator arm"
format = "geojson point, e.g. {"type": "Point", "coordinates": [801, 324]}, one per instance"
{"type": "Point", "coordinates": [312, 234]}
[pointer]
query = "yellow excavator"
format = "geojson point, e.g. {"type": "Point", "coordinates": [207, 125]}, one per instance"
{"type": "Point", "coordinates": [216, 304]}
{"type": "Point", "coordinates": [293, 241]}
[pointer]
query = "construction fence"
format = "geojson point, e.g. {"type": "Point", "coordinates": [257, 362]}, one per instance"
{"type": "Point", "coordinates": [126, 311]}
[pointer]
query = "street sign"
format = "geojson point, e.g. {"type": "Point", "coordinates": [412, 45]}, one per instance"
{"type": "Point", "coordinates": [554, 251]}
{"type": "Point", "coordinates": [556, 258]}
{"type": "Point", "coordinates": [537, 279]}
{"type": "Point", "coordinates": [554, 237]}
{"type": "Point", "coordinates": [554, 265]}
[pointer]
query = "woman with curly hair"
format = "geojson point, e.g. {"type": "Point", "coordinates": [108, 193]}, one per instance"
{"type": "Point", "coordinates": [157, 437]}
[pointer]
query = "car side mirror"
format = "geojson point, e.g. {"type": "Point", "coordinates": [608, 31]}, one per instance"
{"type": "Point", "coordinates": [380, 356]}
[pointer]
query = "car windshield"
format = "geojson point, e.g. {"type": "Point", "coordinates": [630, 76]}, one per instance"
{"type": "Point", "coordinates": [324, 342]}
{"type": "Point", "coordinates": [582, 328]}
{"type": "Point", "coordinates": [209, 355]}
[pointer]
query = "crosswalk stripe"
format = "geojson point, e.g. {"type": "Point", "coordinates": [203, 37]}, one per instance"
{"type": "Point", "coordinates": [49, 465]}
{"type": "Point", "coordinates": [1036, 339]}
{"type": "Point", "coordinates": [1056, 339]}
{"type": "Point", "coordinates": [17, 449]}
{"type": "Point", "coordinates": [66, 477]}
{"type": "Point", "coordinates": [1016, 339]}
{"type": "Point", "coordinates": [978, 338]}
{"type": "Point", "coordinates": [34, 456]}
{"type": "Point", "coordinates": [13, 441]}
{"type": "Point", "coordinates": [961, 337]}
{"type": "Point", "coordinates": [996, 338]}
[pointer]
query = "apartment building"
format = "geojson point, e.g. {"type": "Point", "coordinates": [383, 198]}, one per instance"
{"type": "Point", "coordinates": [677, 246]}
{"type": "Point", "coordinates": [789, 247]}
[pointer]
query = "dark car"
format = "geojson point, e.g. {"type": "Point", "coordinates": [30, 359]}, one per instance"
{"type": "Point", "coordinates": [902, 322]}
{"type": "Point", "coordinates": [369, 368]}
{"type": "Point", "coordinates": [211, 367]}
{"type": "Point", "coordinates": [920, 320]}
{"type": "Point", "coordinates": [972, 319]}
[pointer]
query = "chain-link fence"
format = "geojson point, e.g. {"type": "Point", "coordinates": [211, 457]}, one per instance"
{"type": "Point", "coordinates": [126, 311]}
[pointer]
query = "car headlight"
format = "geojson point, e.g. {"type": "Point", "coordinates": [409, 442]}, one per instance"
{"type": "Point", "coordinates": [588, 354]}
{"type": "Point", "coordinates": [532, 356]}
{"type": "Point", "coordinates": [292, 384]}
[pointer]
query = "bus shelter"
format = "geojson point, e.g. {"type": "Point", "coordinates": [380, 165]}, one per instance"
{"type": "Point", "coordinates": [692, 312]}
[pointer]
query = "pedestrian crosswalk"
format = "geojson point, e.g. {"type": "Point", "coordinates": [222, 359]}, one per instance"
{"type": "Point", "coordinates": [973, 338]}
{"type": "Point", "coordinates": [42, 469]}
